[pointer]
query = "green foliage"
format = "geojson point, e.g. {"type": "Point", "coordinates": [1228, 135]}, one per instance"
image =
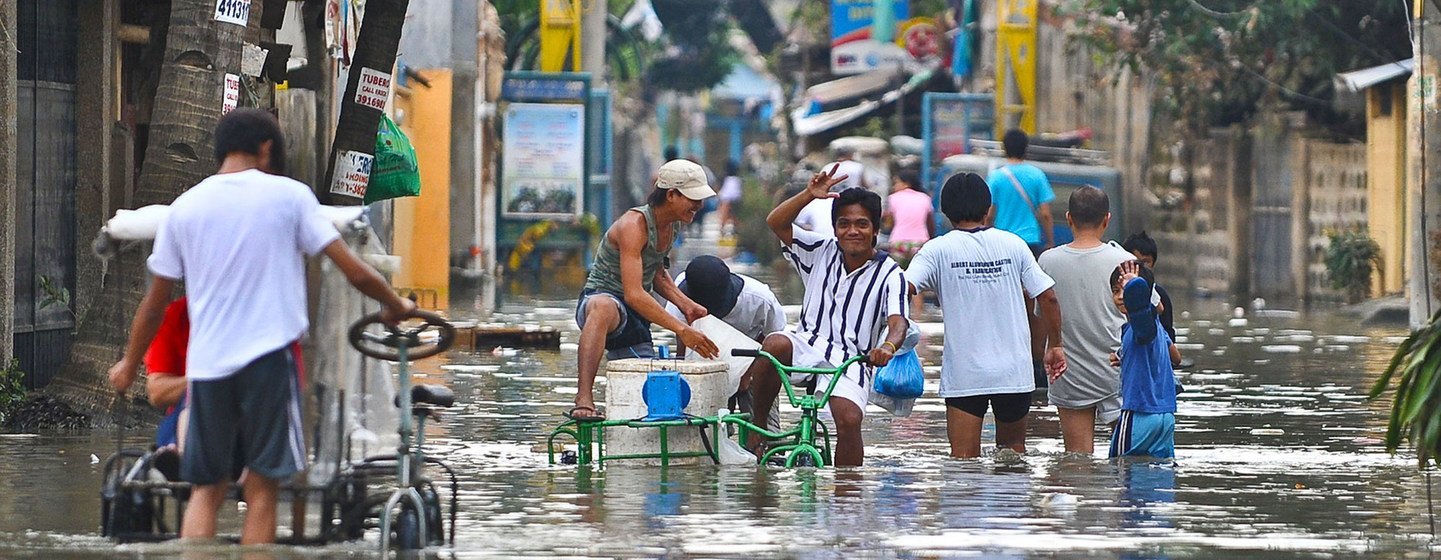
{"type": "Point", "coordinates": [1217, 60]}
{"type": "Point", "coordinates": [700, 56]}
{"type": "Point", "coordinates": [12, 388]}
{"type": "Point", "coordinates": [1416, 412]}
{"type": "Point", "coordinates": [55, 294]}
{"type": "Point", "coordinates": [752, 233]}
{"type": "Point", "coordinates": [1350, 258]}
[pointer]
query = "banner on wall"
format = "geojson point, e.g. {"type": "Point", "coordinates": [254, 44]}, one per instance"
{"type": "Point", "coordinates": [543, 164]}
{"type": "Point", "coordinates": [865, 39]}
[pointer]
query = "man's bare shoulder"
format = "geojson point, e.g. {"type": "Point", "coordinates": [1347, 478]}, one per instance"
{"type": "Point", "coordinates": [630, 225]}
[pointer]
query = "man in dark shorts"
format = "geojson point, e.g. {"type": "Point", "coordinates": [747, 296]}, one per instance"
{"type": "Point", "coordinates": [239, 240]}
{"type": "Point", "coordinates": [616, 308]}
{"type": "Point", "coordinates": [982, 277]}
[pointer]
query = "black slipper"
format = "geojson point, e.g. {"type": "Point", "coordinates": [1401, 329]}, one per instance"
{"type": "Point", "coordinates": [595, 417]}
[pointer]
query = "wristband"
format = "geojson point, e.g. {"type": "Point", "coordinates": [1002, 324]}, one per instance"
{"type": "Point", "coordinates": [893, 346]}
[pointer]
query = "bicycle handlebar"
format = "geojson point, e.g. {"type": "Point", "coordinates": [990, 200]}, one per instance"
{"type": "Point", "coordinates": [746, 353]}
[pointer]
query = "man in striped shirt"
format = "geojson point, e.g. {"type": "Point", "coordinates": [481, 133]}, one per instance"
{"type": "Point", "coordinates": [855, 303]}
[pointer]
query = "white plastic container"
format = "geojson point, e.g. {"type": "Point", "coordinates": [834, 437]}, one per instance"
{"type": "Point", "coordinates": [709, 391]}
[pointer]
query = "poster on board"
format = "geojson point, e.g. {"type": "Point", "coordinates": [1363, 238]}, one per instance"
{"type": "Point", "coordinates": [543, 166]}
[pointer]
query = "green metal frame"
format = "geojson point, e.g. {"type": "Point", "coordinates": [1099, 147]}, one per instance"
{"type": "Point", "coordinates": [801, 440]}
{"type": "Point", "coordinates": [590, 439]}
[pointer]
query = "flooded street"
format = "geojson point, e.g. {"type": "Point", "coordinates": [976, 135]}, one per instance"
{"type": "Point", "coordinates": [1279, 455]}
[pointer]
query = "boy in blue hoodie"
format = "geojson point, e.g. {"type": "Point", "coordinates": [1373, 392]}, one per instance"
{"type": "Point", "coordinates": [1148, 391]}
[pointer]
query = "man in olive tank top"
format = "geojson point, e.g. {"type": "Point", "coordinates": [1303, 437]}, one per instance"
{"type": "Point", "coordinates": [616, 308]}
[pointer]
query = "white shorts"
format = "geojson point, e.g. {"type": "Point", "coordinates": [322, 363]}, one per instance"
{"type": "Point", "coordinates": [1108, 410]}
{"type": "Point", "coordinates": [850, 387]}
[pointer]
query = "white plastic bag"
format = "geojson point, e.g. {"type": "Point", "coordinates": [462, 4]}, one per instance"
{"type": "Point", "coordinates": [726, 338]}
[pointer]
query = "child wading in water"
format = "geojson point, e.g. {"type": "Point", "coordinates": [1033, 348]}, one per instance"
{"type": "Point", "coordinates": [1148, 391]}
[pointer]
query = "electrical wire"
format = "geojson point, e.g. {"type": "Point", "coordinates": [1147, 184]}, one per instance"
{"type": "Point", "coordinates": [1218, 14]}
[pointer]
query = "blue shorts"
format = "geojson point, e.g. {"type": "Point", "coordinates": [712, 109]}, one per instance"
{"type": "Point", "coordinates": [630, 339]}
{"type": "Point", "coordinates": [1139, 434]}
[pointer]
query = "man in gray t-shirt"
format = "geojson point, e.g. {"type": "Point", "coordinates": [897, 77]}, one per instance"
{"type": "Point", "coordinates": [1090, 324]}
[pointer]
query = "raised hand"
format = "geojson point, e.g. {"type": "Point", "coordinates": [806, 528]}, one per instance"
{"type": "Point", "coordinates": [821, 183]}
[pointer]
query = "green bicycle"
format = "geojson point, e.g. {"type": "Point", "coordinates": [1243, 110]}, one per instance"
{"type": "Point", "coordinates": [801, 449]}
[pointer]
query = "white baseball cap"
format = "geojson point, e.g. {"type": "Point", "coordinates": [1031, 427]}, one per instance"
{"type": "Point", "coordinates": [686, 176]}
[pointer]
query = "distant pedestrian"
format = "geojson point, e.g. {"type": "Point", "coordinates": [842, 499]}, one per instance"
{"type": "Point", "coordinates": [908, 216]}
{"type": "Point", "coordinates": [730, 197]}
{"type": "Point", "coordinates": [1022, 195]}
{"type": "Point", "coordinates": [982, 277]}
{"type": "Point", "coordinates": [1091, 324]}
{"type": "Point", "coordinates": [1147, 423]}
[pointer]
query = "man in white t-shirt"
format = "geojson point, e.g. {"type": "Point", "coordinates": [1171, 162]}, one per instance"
{"type": "Point", "coordinates": [742, 302]}
{"type": "Point", "coordinates": [846, 164]}
{"type": "Point", "coordinates": [981, 277]}
{"type": "Point", "coordinates": [239, 240]}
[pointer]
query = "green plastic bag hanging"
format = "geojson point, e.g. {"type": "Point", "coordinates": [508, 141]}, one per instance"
{"type": "Point", "coordinates": [396, 172]}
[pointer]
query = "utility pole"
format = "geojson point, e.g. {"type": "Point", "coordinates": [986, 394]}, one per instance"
{"type": "Point", "coordinates": [366, 93]}
{"type": "Point", "coordinates": [592, 39]}
{"type": "Point", "coordinates": [1424, 170]}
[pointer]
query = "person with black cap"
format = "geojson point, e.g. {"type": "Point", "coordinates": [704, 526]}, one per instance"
{"type": "Point", "coordinates": [616, 308]}
{"type": "Point", "coordinates": [742, 302]}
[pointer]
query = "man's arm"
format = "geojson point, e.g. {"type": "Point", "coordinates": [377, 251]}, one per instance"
{"type": "Point", "coordinates": [164, 389]}
{"type": "Point", "coordinates": [1048, 234]}
{"type": "Point", "coordinates": [630, 239]}
{"type": "Point", "coordinates": [784, 215]}
{"type": "Point", "coordinates": [368, 281]}
{"type": "Point", "coordinates": [1055, 358]}
{"type": "Point", "coordinates": [667, 288]}
{"type": "Point", "coordinates": [896, 326]}
{"type": "Point", "coordinates": [142, 330]}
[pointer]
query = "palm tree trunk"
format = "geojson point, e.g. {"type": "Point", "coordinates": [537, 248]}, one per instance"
{"type": "Point", "coordinates": [199, 51]}
{"type": "Point", "coordinates": [375, 51]}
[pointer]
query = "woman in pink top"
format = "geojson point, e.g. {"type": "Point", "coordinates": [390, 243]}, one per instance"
{"type": "Point", "coordinates": [908, 214]}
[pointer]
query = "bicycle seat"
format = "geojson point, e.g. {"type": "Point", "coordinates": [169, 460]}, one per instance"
{"type": "Point", "coordinates": [434, 395]}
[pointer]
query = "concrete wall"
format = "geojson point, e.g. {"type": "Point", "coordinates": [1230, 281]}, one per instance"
{"type": "Point", "coordinates": [1334, 179]}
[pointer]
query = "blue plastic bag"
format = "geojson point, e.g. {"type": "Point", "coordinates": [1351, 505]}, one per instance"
{"type": "Point", "coordinates": [901, 378]}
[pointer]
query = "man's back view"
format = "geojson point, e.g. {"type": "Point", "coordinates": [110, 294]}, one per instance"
{"type": "Point", "coordinates": [239, 241]}
{"type": "Point", "coordinates": [1022, 195]}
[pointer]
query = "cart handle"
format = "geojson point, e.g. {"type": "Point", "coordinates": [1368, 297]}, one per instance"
{"type": "Point", "coordinates": [386, 345]}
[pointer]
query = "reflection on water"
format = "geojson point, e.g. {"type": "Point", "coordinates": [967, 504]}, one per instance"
{"type": "Point", "coordinates": [1279, 455]}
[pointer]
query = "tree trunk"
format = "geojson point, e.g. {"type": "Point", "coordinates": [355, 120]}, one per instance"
{"type": "Point", "coordinates": [199, 51]}
{"type": "Point", "coordinates": [375, 51]}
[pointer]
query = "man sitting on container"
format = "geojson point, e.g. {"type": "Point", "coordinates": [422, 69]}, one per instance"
{"type": "Point", "coordinates": [742, 302]}
{"type": "Point", "coordinates": [616, 308]}
{"type": "Point", "coordinates": [854, 295]}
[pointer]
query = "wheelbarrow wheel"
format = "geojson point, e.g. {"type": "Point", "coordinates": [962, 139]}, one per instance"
{"type": "Point", "coordinates": [805, 460]}
{"type": "Point", "coordinates": [407, 529]}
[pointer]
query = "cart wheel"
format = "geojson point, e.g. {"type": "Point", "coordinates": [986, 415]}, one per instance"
{"type": "Point", "coordinates": [434, 525]}
{"type": "Point", "coordinates": [806, 460]}
{"type": "Point", "coordinates": [568, 457]}
{"type": "Point", "coordinates": [407, 529]}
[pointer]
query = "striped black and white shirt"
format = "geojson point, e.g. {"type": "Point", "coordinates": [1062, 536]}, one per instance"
{"type": "Point", "coordinates": [844, 313]}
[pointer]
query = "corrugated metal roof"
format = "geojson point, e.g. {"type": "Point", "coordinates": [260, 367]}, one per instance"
{"type": "Point", "coordinates": [1357, 80]}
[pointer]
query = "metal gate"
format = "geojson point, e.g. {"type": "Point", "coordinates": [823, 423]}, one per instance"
{"type": "Point", "coordinates": [1271, 215]}
{"type": "Point", "coordinates": [45, 187]}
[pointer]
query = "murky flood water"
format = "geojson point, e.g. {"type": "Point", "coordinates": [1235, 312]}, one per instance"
{"type": "Point", "coordinates": [1279, 455]}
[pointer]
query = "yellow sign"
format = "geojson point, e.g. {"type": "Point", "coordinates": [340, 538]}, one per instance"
{"type": "Point", "coordinates": [1015, 66]}
{"type": "Point", "coordinates": [559, 35]}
